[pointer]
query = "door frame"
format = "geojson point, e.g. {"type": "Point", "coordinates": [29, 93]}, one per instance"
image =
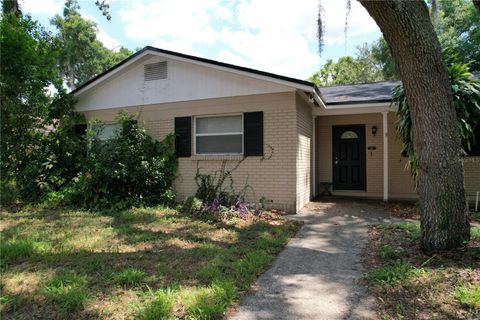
{"type": "Point", "coordinates": [361, 130]}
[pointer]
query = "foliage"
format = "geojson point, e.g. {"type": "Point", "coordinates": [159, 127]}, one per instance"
{"type": "Point", "coordinates": [40, 152]}
{"type": "Point", "coordinates": [82, 55]}
{"type": "Point", "coordinates": [377, 55]}
{"type": "Point", "coordinates": [130, 169]}
{"type": "Point", "coordinates": [469, 296]}
{"type": "Point", "coordinates": [458, 31]}
{"type": "Point", "coordinates": [129, 277]}
{"type": "Point", "coordinates": [69, 290]}
{"type": "Point", "coordinates": [373, 62]}
{"type": "Point", "coordinates": [466, 99]}
{"type": "Point", "coordinates": [214, 199]}
{"type": "Point", "coordinates": [392, 274]}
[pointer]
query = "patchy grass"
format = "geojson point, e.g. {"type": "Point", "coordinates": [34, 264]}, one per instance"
{"type": "Point", "coordinates": [469, 296]}
{"type": "Point", "coordinates": [152, 263]}
{"type": "Point", "coordinates": [411, 285]}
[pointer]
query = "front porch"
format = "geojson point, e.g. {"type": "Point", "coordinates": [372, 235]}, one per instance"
{"type": "Point", "coordinates": [356, 152]}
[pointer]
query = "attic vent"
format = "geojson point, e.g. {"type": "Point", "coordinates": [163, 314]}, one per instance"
{"type": "Point", "coordinates": [156, 71]}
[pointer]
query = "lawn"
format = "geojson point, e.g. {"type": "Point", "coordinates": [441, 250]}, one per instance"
{"type": "Point", "coordinates": [150, 263]}
{"type": "Point", "coordinates": [408, 284]}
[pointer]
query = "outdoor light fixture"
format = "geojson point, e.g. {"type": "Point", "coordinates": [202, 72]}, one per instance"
{"type": "Point", "coordinates": [374, 130]}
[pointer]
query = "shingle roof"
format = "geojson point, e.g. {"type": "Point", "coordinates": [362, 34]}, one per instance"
{"type": "Point", "coordinates": [359, 93]}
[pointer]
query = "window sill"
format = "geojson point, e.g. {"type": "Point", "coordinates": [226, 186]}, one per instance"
{"type": "Point", "coordinates": [231, 157]}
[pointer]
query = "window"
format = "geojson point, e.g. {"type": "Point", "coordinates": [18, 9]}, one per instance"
{"type": "Point", "coordinates": [105, 131]}
{"type": "Point", "coordinates": [349, 135]}
{"type": "Point", "coordinates": [219, 135]}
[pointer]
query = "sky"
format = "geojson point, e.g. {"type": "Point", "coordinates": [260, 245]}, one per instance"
{"type": "Point", "coordinates": [268, 35]}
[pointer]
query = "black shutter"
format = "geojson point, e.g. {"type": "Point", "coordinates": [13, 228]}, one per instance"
{"type": "Point", "coordinates": [80, 130]}
{"type": "Point", "coordinates": [253, 133]}
{"type": "Point", "coordinates": [183, 136]}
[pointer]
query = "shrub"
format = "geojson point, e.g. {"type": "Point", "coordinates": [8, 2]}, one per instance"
{"type": "Point", "coordinates": [8, 193]}
{"type": "Point", "coordinates": [131, 169]}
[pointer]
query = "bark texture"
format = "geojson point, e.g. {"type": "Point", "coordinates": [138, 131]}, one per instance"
{"type": "Point", "coordinates": [407, 28]}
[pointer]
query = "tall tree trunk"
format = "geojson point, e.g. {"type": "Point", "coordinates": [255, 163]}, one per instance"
{"type": "Point", "coordinates": [415, 47]}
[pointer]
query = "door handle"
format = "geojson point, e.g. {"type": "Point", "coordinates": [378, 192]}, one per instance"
{"type": "Point", "coordinates": [336, 161]}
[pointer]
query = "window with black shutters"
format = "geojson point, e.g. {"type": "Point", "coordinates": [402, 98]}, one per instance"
{"type": "Point", "coordinates": [219, 134]}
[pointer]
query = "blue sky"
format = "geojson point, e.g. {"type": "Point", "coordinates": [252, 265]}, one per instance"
{"type": "Point", "coordinates": [270, 35]}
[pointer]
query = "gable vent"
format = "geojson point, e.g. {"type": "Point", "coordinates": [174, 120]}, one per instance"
{"type": "Point", "coordinates": [156, 71]}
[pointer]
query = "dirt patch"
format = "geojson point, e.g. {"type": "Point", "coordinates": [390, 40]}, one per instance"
{"type": "Point", "coordinates": [408, 284]}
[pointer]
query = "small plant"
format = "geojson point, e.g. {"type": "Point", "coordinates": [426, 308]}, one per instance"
{"type": "Point", "coordinates": [160, 307]}
{"type": "Point", "coordinates": [392, 274]}
{"type": "Point", "coordinates": [17, 249]}
{"type": "Point", "coordinates": [475, 233]}
{"type": "Point", "coordinates": [210, 302]}
{"type": "Point", "coordinates": [469, 296]}
{"type": "Point", "coordinates": [129, 276]}
{"type": "Point", "coordinates": [389, 253]}
{"type": "Point", "coordinates": [412, 230]}
{"type": "Point", "coordinates": [191, 205]}
{"type": "Point", "coordinates": [69, 290]}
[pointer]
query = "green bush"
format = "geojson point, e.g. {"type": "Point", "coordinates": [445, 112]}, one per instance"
{"type": "Point", "coordinates": [8, 193]}
{"type": "Point", "coordinates": [130, 169]}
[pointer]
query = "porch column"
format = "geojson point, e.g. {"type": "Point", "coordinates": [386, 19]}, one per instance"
{"type": "Point", "coordinates": [385, 155]}
{"type": "Point", "coordinates": [314, 153]}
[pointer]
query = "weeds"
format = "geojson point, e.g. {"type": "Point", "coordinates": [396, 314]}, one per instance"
{"type": "Point", "coordinates": [129, 277]}
{"type": "Point", "coordinates": [469, 296]}
{"type": "Point", "coordinates": [68, 290]}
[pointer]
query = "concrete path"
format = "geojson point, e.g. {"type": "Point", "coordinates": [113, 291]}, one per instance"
{"type": "Point", "coordinates": [316, 276]}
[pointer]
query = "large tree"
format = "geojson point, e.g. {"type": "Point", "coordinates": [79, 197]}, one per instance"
{"type": "Point", "coordinates": [82, 55]}
{"type": "Point", "coordinates": [411, 37]}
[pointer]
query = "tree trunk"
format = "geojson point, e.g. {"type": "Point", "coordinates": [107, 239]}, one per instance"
{"type": "Point", "coordinates": [415, 47]}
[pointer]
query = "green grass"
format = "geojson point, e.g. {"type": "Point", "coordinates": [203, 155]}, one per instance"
{"type": "Point", "coordinates": [149, 263]}
{"type": "Point", "coordinates": [68, 290]}
{"type": "Point", "coordinates": [160, 306]}
{"type": "Point", "coordinates": [394, 273]}
{"type": "Point", "coordinates": [411, 284]}
{"type": "Point", "coordinates": [469, 296]}
{"type": "Point", "coordinates": [475, 233]}
{"type": "Point", "coordinates": [129, 277]}
{"type": "Point", "coordinates": [389, 253]}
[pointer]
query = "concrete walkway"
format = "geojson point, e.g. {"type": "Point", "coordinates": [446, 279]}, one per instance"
{"type": "Point", "coordinates": [316, 276]}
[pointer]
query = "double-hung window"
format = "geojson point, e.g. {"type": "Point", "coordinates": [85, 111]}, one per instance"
{"type": "Point", "coordinates": [105, 131]}
{"type": "Point", "coordinates": [219, 134]}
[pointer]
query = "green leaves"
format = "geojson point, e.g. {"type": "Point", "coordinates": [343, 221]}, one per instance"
{"type": "Point", "coordinates": [130, 169]}
{"type": "Point", "coordinates": [466, 99]}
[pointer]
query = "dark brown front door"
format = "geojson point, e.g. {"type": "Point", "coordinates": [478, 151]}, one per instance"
{"type": "Point", "coordinates": [349, 172]}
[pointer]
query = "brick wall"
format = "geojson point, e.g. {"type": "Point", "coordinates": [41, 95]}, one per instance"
{"type": "Point", "coordinates": [304, 147]}
{"type": "Point", "coordinates": [273, 177]}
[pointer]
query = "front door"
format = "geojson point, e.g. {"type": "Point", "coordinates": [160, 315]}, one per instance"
{"type": "Point", "coordinates": [349, 172]}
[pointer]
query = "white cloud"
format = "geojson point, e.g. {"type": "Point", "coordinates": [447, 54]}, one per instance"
{"type": "Point", "coordinates": [49, 7]}
{"type": "Point", "coordinates": [107, 40]}
{"type": "Point", "coordinates": [359, 21]}
{"type": "Point", "coordinates": [170, 19]}
{"type": "Point", "coordinates": [271, 35]}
